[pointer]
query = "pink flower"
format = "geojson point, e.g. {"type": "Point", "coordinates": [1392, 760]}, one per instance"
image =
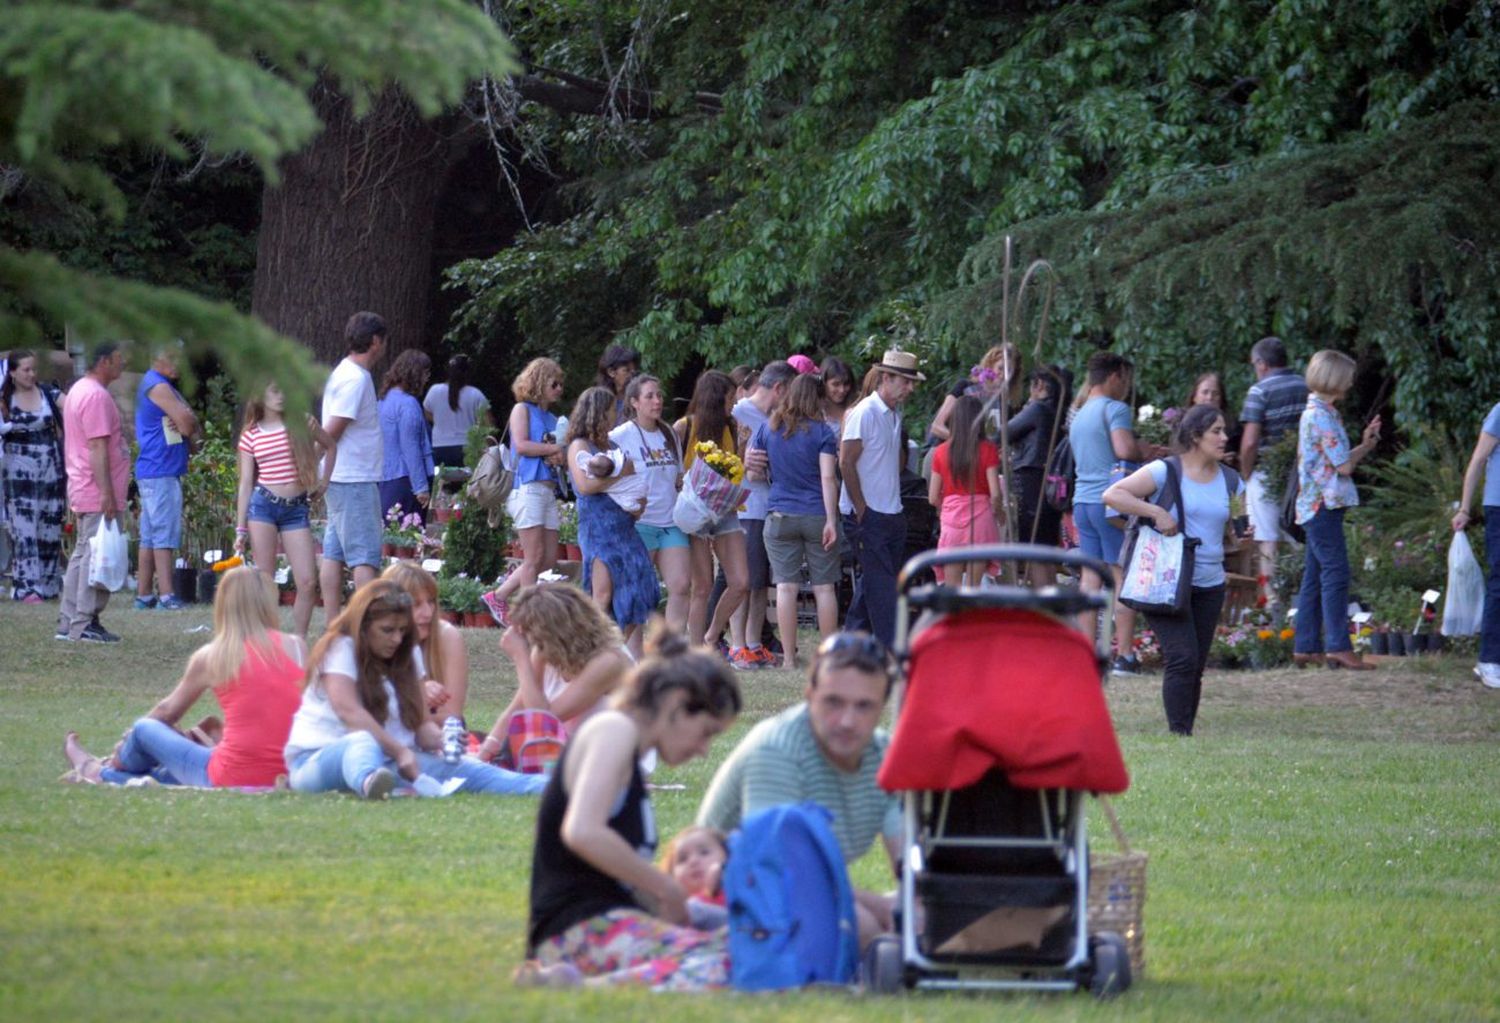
{"type": "Point", "coordinates": [1171, 415]}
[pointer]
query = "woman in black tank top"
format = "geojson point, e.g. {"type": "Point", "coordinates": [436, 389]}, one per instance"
{"type": "Point", "coordinates": [600, 911]}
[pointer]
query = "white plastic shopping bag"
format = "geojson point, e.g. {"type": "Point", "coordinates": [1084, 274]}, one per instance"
{"type": "Point", "coordinates": [109, 556]}
{"type": "Point", "coordinates": [1465, 606]}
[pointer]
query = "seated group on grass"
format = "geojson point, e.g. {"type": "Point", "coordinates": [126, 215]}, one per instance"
{"type": "Point", "coordinates": [361, 713]}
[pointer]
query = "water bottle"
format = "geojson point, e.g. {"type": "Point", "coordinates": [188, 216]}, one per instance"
{"type": "Point", "coordinates": [453, 740]}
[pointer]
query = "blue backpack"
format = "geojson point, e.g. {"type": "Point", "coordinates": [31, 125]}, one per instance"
{"type": "Point", "coordinates": [791, 908]}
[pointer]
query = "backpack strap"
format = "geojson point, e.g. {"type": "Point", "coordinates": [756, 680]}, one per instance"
{"type": "Point", "coordinates": [1231, 480]}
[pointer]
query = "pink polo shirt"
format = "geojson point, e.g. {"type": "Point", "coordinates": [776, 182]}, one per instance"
{"type": "Point", "coordinates": [89, 412]}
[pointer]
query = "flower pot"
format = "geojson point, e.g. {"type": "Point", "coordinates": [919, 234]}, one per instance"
{"type": "Point", "coordinates": [208, 584]}
{"type": "Point", "coordinates": [514, 550]}
{"type": "Point", "coordinates": [478, 620]}
{"type": "Point", "coordinates": [185, 584]}
{"type": "Point", "coordinates": [1416, 644]}
{"type": "Point", "coordinates": [1380, 643]}
{"type": "Point", "coordinates": [1436, 641]}
{"type": "Point", "coordinates": [575, 552]}
{"type": "Point", "coordinates": [442, 515]}
{"type": "Point", "coordinates": [452, 617]}
{"type": "Point", "coordinates": [404, 553]}
{"type": "Point", "coordinates": [387, 550]}
{"type": "Point", "coordinates": [288, 598]}
{"type": "Point", "coordinates": [562, 552]}
{"type": "Point", "coordinates": [1398, 644]}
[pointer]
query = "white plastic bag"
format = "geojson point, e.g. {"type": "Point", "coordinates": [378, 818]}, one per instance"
{"type": "Point", "coordinates": [109, 556]}
{"type": "Point", "coordinates": [1465, 606]}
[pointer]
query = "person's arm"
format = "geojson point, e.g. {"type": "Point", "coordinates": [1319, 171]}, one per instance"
{"type": "Point", "coordinates": [410, 430]}
{"type": "Point", "coordinates": [997, 495]}
{"type": "Point", "coordinates": [1483, 448]}
{"type": "Point", "coordinates": [455, 680]}
{"type": "Point", "coordinates": [600, 762]}
{"type": "Point", "coordinates": [193, 684]}
{"type": "Point", "coordinates": [520, 434]}
{"type": "Point", "coordinates": [939, 427]}
{"type": "Point", "coordinates": [242, 500]}
{"type": "Point", "coordinates": [757, 459]}
{"type": "Point", "coordinates": [598, 679]}
{"type": "Point", "coordinates": [1021, 425]}
{"type": "Point", "coordinates": [1131, 496]}
{"type": "Point", "coordinates": [849, 453]}
{"type": "Point", "coordinates": [1128, 447]}
{"type": "Point", "coordinates": [330, 447]}
{"type": "Point", "coordinates": [344, 698]}
{"type": "Point", "coordinates": [935, 489]}
{"type": "Point", "coordinates": [336, 426]}
{"type": "Point", "coordinates": [828, 476]}
{"type": "Point", "coordinates": [99, 458]}
{"type": "Point", "coordinates": [1249, 448]}
{"type": "Point", "coordinates": [173, 407]}
{"type": "Point", "coordinates": [1367, 442]}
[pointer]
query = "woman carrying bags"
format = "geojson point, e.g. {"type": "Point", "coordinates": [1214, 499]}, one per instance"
{"type": "Point", "coordinates": [1190, 492]}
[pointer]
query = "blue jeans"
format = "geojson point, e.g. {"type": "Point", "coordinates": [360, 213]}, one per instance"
{"type": "Point", "coordinates": [156, 748]}
{"type": "Point", "coordinates": [878, 543]}
{"type": "Point", "coordinates": [1323, 601]}
{"type": "Point", "coordinates": [344, 765]}
{"type": "Point", "coordinates": [1489, 628]}
{"type": "Point", "coordinates": [161, 512]}
{"type": "Point", "coordinates": [355, 527]}
{"type": "Point", "coordinates": [287, 514]}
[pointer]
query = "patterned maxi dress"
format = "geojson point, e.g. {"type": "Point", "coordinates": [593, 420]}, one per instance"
{"type": "Point", "coordinates": [607, 532]}
{"type": "Point", "coordinates": [35, 500]}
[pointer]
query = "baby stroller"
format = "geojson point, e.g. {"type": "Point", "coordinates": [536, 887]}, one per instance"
{"type": "Point", "coordinates": [1001, 731]}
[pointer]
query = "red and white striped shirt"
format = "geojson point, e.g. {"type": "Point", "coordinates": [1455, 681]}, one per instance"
{"type": "Point", "coordinates": [272, 451]}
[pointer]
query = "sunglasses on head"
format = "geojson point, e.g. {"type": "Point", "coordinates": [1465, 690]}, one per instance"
{"type": "Point", "coordinates": [856, 646]}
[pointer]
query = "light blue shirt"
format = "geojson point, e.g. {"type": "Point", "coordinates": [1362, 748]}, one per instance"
{"type": "Point", "coordinates": [1207, 513]}
{"type": "Point", "coordinates": [1492, 464]}
{"type": "Point", "coordinates": [1093, 450]}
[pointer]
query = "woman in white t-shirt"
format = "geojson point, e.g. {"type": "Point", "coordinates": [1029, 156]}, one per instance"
{"type": "Point", "coordinates": [653, 449]}
{"type": "Point", "coordinates": [363, 725]}
{"type": "Point", "coordinates": [453, 408]}
{"type": "Point", "coordinates": [568, 657]}
{"type": "Point", "coordinates": [279, 477]}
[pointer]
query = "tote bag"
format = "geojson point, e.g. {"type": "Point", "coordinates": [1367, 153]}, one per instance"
{"type": "Point", "coordinates": [1158, 575]}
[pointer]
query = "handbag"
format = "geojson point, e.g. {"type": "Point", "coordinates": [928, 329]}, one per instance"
{"type": "Point", "coordinates": [1288, 521]}
{"type": "Point", "coordinates": [1158, 569]}
{"type": "Point", "coordinates": [494, 478]}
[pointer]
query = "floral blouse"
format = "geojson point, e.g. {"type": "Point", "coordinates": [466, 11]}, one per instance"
{"type": "Point", "coordinates": [1322, 446]}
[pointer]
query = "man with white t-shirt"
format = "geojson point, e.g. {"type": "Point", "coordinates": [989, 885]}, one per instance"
{"type": "Point", "coordinates": [351, 415]}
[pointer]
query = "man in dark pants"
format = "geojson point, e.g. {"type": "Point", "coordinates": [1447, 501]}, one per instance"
{"type": "Point", "coordinates": [870, 456]}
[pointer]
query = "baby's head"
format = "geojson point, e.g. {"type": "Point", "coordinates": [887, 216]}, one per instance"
{"type": "Point", "coordinates": [695, 858]}
{"type": "Point", "coordinates": [601, 464]}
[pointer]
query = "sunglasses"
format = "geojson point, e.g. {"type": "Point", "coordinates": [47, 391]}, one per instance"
{"type": "Point", "coordinates": [856, 646]}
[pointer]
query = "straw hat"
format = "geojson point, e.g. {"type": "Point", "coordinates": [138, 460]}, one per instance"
{"type": "Point", "coordinates": [902, 364]}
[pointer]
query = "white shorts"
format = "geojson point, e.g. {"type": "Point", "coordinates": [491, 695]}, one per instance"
{"type": "Point", "coordinates": [1265, 514]}
{"type": "Point", "coordinates": [533, 504]}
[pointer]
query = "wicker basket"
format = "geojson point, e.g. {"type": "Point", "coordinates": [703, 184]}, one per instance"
{"type": "Point", "coordinates": [1117, 893]}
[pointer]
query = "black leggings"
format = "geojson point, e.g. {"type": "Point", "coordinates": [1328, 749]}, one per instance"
{"type": "Point", "coordinates": [1185, 640]}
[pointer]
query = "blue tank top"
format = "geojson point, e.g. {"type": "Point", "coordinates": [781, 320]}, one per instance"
{"type": "Point", "coordinates": [164, 452]}
{"type": "Point", "coordinates": [529, 468]}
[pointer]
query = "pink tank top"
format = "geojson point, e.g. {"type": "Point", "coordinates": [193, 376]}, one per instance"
{"type": "Point", "coordinates": [258, 707]}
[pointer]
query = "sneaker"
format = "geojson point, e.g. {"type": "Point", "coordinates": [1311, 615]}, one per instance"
{"type": "Point", "coordinates": [763, 657]}
{"type": "Point", "coordinates": [1126, 666]}
{"type": "Point", "coordinates": [144, 603]}
{"type": "Point", "coordinates": [740, 659]}
{"type": "Point", "coordinates": [498, 608]}
{"type": "Point", "coordinates": [722, 647]}
{"type": "Point", "coordinates": [62, 635]}
{"type": "Point", "coordinates": [380, 783]}
{"type": "Point", "coordinates": [169, 603]}
{"type": "Point", "coordinates": [95, 632]}
{"type": "Point", "coordinates": [1489, 674]}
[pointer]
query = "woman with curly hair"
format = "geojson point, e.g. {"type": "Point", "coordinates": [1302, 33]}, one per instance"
{"type": "Point", "coordinates": [709, 418]}
{"type": "Point", "coordinates": [617, 569]}
{"type": "Point", "coordinates": [532, 504]}
{"type": "Point", "coordinates": [407, 478]}
{"type": "Point", "coordinates": [568, 657]}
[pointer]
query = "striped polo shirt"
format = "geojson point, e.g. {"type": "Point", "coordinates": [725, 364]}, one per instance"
{"type": "Point", "coordinates": [1276, 402]}
{"type": "Point", "coordinates": [780, 762]}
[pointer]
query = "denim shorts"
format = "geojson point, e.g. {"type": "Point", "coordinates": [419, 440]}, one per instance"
{"type": "Point", "coordinates": [1098, 537]}
{"type": "Point", "coordinates": [161, 512]}
{"type": "Point", "coordinates": [285, 513]}
{"type": "Point", "coordinates": [354, 525]}
{"type": "Point", "coordinates": [728, 523]}
{"type": "Point", "coordinates": [661, 538]}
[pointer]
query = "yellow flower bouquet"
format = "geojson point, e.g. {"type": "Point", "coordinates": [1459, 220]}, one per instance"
{"type": "Point", "coordinates": [714, 487]}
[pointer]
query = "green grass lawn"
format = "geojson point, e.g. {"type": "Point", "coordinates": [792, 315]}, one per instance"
{"type": "Point", "coordinates": [1325, 848]}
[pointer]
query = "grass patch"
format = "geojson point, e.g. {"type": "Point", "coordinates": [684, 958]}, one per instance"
{"type": "Point", "coordinates": [1325, 848]}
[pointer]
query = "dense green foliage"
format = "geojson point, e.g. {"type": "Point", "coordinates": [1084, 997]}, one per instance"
{"type": "Point", "coordinates": [83, 82]}
{"type": "Point", "coordinates": [1202, 174]}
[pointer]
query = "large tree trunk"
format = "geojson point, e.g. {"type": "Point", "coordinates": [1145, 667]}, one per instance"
{"type": "Point", "coordinates": [350, 227]}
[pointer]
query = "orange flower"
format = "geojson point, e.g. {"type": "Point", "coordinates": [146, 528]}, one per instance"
{"type": "Point", "coordinates": [1288, 633]}
{"type": "Point", "coordinates": [1265, 634]}
{"type": "Point", "coordinates": [228, 563]}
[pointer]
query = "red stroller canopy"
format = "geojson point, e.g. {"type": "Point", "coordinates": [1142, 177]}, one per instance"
{"type": "Point", "coordinates": [1005, 688]}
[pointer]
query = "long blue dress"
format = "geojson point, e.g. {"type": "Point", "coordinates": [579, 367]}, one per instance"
{"type": "Point", "coordinates": [607, 532]}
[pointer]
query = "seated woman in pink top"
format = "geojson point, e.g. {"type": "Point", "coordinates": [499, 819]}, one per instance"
{"type": "Point", "coordinates": [568, 655]}
{"type": "Point", "coordinates": [255, 671]}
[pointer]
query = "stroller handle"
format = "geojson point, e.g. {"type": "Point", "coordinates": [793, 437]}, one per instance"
{"type": "Point", "coordinates": [1002, 552]}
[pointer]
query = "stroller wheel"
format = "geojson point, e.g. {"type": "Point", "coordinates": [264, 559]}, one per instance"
{"type": "Point", "coordinates": [1109, 965]}
{"type": "Point", "coordinates": [883, 968]}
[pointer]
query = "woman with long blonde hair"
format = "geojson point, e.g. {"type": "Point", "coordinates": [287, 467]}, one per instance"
{"type": "Point", "coordinates": [279, 478]}
{"type": "Point", "coordinates": [446, 678]}
{"type": "Point", "coordinates": [253, 669]}
{"type": "Point", "coordinates": [568, 658]}
{"type": "Point", "coordinates": [363, 726]}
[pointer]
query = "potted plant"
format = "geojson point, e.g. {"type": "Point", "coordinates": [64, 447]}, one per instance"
{"type": "Point", "coordinates": [458, 595]}
{"type": "Point", "coordinates": [567, 531]}
{"type": "Point", "coordinates": [471, 547]}
{"type": "Point", "coordinates": [402, 533]}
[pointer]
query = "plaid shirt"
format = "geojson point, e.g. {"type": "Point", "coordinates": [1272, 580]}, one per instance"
{"type": "Point", "coordinates": [1276, 402]}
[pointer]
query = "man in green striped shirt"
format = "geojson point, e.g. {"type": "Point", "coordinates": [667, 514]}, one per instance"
{"type": "Point", "coordinates": [826, 750]}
